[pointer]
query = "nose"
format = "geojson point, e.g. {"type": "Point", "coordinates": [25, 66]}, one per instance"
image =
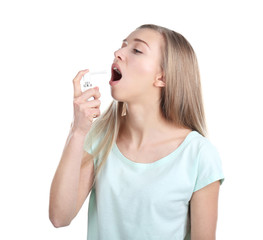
{"type": "Point", "coordinates": [119, 54]}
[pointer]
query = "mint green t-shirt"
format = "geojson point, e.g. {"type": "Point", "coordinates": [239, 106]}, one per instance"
{"type": "Point", "coordinates": [150, 201]}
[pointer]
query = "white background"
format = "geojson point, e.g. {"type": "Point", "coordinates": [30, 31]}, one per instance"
{"type": "Point", "coordinates": [43, 46]}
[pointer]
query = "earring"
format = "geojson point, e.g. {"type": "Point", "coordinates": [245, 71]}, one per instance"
{"type": "Point", "coordinates": [124, 108]}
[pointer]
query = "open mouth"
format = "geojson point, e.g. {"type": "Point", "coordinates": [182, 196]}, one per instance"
{"type": "Point", "coordinates": [116, 74]}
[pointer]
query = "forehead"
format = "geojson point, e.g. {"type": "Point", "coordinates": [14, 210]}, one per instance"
{"type": "Point", "coordinates": [151, 37]}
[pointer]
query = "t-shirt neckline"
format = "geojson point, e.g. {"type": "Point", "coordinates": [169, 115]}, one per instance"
{"type": "Point", "coordinates": [159, 161]}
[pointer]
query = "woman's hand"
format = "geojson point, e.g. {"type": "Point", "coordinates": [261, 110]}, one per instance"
{"type": "Point", "coordinates": [84, 110]}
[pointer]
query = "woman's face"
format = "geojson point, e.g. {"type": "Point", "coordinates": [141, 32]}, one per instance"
{"type": "Point", "coordinates": [138, 60]}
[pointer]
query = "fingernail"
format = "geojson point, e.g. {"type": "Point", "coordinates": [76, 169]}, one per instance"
{"type": "Point", "coordinates": [97, 88]}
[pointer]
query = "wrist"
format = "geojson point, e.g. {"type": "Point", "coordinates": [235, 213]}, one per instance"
{"type": "Point", "coordinates": [78, 132]}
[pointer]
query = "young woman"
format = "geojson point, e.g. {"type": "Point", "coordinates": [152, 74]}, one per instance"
{"type": "Point", "coordinates": [152, 172]}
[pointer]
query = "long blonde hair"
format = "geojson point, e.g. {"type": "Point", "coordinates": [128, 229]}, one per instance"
{"type": "Point", "coordinates": [181, 98]}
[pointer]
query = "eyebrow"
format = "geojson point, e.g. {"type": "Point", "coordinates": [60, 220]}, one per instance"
{"type": "Point", "coordinates": [138, 40]}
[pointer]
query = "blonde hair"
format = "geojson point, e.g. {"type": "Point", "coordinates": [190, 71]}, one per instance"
{"type": "Point", "coordinates": [181, 99]}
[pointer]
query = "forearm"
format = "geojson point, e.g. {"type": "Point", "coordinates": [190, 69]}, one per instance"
{"type": "Point", "coordinates": [64, 188]}
{"type": "Point", "coordinates": [70, 185]}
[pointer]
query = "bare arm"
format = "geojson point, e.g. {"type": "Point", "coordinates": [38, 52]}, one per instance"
{"type": "Point", "coordinates": [69, 189]}
{"type": "Point", "coordinates": [74, 176]}
{"type": "Point", "coordinates": [204, 205]}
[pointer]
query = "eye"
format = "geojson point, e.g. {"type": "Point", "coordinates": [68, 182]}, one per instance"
{"type": "Point", "coordinates": [136, 51]}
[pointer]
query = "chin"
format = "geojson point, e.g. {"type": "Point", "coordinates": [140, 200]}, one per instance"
{"type": "Point", "coordinates": [118, 96]}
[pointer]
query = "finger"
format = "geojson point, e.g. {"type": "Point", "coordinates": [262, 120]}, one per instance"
{"type": "Point", "coordinates": [92, 92]}
{"type": "Point", "coordinates": [96, 113]}
{"type": "Point", "coordinates": [92, 104]}
{"type": "Point", "coordinates": [97, 93]}
{"type": "Point", "coordinates": [76, 82]}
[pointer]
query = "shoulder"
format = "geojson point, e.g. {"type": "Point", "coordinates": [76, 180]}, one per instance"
{"type": "Point", "coordinates": [205, 147]}
{"type": "Point", "coordinates": [200, 143]}
{"type": "Point", "coordinates": [207, 161]}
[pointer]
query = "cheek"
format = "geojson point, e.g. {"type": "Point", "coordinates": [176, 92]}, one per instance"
{"type": "Point", "coordinates": [144, 69]}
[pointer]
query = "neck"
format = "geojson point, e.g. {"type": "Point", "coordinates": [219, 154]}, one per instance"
{"type": "Point", "coordinates": [143, 124]}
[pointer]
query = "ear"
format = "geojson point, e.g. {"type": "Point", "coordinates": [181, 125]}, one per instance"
{"type": "Point", "coordinates": [159, 81]}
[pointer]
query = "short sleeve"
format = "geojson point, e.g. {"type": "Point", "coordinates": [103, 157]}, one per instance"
{"type": "Point", "coordinates": [209, 166]}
